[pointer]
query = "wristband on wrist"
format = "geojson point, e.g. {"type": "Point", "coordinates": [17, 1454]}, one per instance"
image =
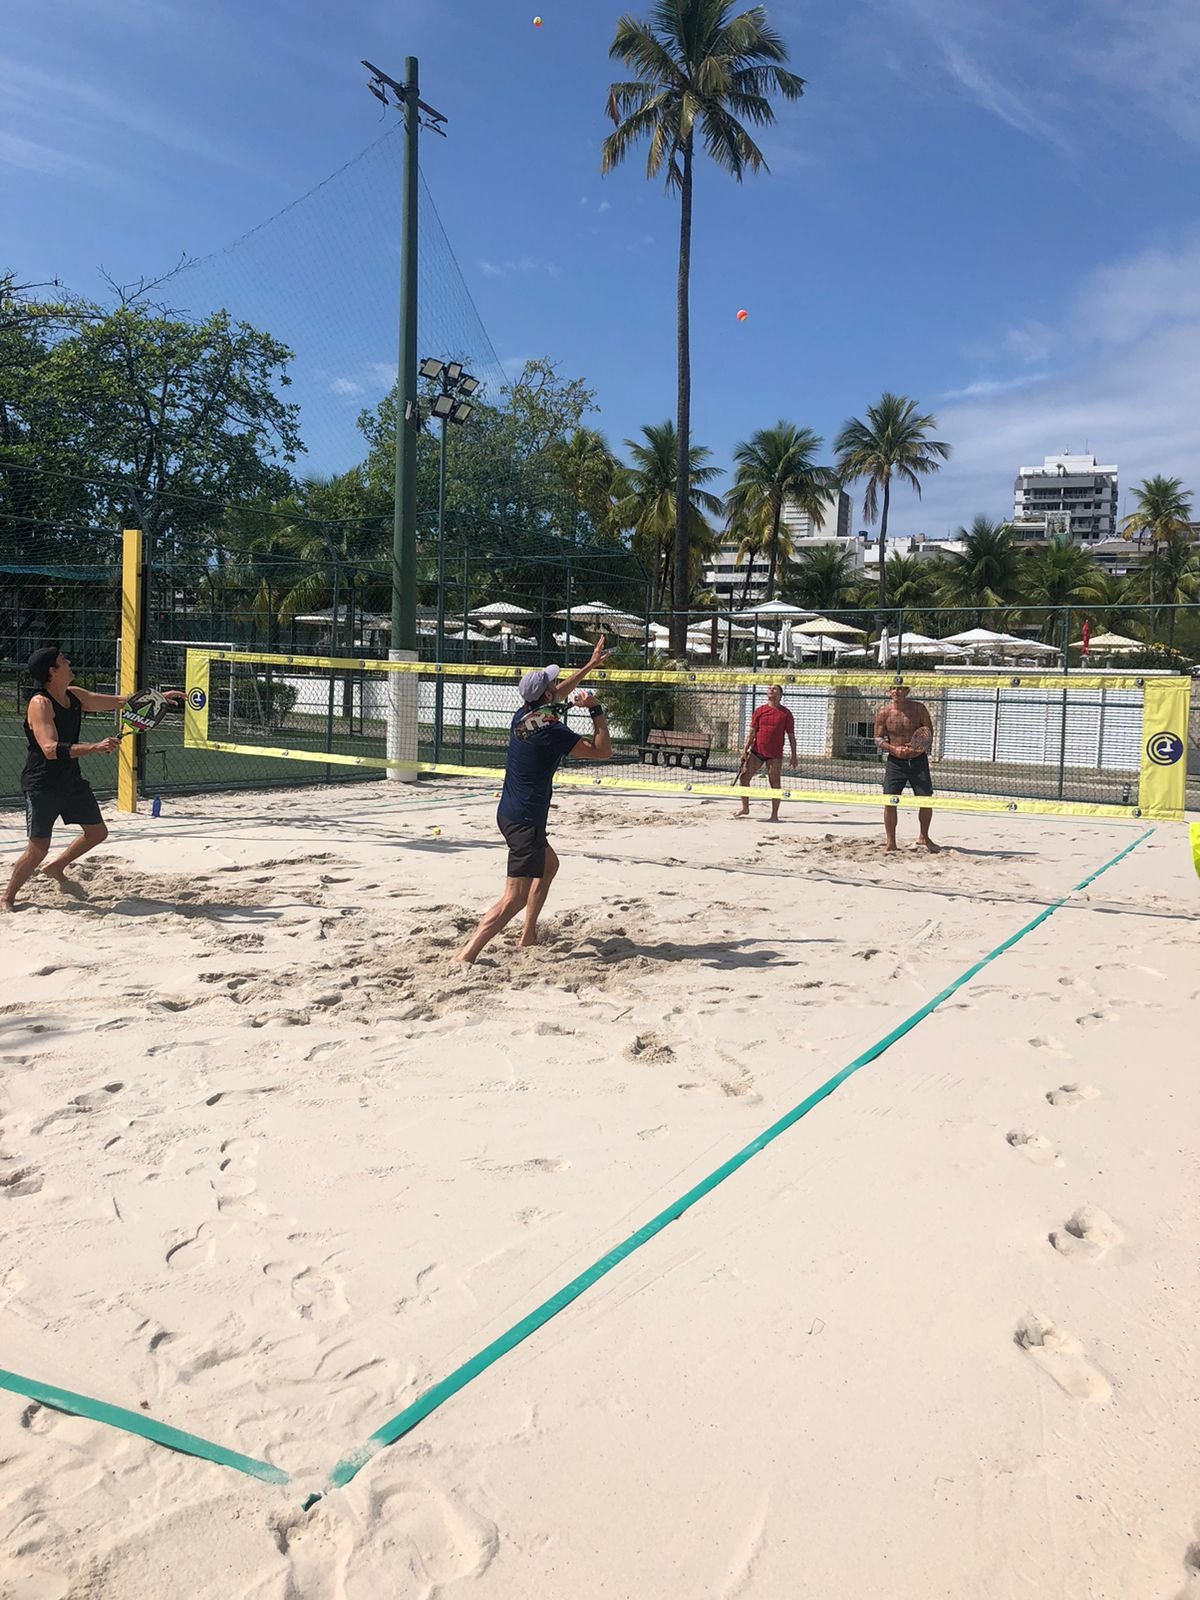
{"type": "Point", "coordinates": [596, 711]}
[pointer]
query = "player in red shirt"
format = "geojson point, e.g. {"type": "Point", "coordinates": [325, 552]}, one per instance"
{"type": "Point", "coordinates": [769, 726]}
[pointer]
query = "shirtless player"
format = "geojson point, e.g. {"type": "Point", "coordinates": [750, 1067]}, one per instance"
{"type": "Point", "coordinates": [904, 732]}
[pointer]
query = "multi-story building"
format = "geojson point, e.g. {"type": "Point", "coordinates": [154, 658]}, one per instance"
{"type": "Point", "coordinates": [727, 578]}
{"type": "Point", "coordinates": [917, 545]}
{"type": "Point", "coordinates": [1068, 496]}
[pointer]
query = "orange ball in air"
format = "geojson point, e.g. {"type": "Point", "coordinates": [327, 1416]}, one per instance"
{"type": "Point", "coordinates": [742, 315]}
{"type": "Point", "coordinates": [537, 22]}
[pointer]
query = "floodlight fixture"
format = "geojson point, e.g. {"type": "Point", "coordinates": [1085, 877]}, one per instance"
{"type": "Point", "coordinates": [467, 384]}
{"type": "Point", "coordinates": [454, 371]}
{"type": "Point", "coordinates": [442, 406]}
{"type": "Point", "coordinates": [430, 368]}
{"type": "Point", "coordinates": [461, 413]}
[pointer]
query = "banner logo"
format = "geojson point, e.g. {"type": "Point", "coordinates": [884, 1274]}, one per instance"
{"type": "Point", "coordinates": [197, 699]}
{"type": "Point", "coordinates": [1164, 749]}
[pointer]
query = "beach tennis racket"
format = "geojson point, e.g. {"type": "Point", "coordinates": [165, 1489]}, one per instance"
{"type": "Point", "coordinates": [145, 710]}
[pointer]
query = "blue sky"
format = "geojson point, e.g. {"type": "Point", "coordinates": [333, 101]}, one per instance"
{"type": "Point", "coordinates": [994, 209]}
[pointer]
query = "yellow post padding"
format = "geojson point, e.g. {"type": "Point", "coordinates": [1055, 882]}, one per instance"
{"type": "Point", "coordinates": [1162, 781]}
{"type": "Point", "coordinates": [131, 634]}
{"type": "Point", "coordinates": [195, 704]}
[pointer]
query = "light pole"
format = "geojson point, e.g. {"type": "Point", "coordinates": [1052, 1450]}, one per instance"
{"type": "Point", "coordinates": [449, 404]}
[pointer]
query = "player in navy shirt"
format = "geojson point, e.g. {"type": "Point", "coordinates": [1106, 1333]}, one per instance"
{"type": "Point", "coordinates": [538, 742]}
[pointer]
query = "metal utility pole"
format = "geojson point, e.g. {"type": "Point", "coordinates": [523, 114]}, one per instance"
{"type": "Point", "coordinates": [403, 702]}
{"type": "Point", "coordinates": [404, 527]}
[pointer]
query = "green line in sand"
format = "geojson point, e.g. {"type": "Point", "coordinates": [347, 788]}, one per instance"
{"type": "Point", "coordinates": [405, 1421]}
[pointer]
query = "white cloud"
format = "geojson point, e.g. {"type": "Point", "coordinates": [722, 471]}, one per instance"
{"type": "Point", "coordinates": [28, 155]}
{"type": "Point", "coordinates": [1054, 73]}
{"type": "Point", "coordinates": [605, 205]}
{"type": "Point", "coordinates": [1127, 387]}
{"type": "Point", "coordinates": [345, 386]}
{"type": "Point", "coordinates": [523, 264]}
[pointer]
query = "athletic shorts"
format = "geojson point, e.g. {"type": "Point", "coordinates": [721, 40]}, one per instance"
{"type": "Point", "coordinates": [911, 770]}
{"type": "Point", "coordinates": [758, 756]}
{"type": "Point", "coordinates": [43, 808]}
{"type": "Point", "coordinates": [527, 845]}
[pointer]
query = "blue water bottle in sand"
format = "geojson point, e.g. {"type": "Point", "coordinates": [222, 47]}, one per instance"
{"type": "Point", "coordinates": [156, 806]}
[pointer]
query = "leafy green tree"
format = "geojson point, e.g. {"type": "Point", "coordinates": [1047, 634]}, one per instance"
{"type": "Point", "coordinates": [1057, 574]}
{"type": "Point", "coordinates": [166, 410]}
{"type": "Point", "coordinates": [912, 583]}
{"type": "Point", "coordinates": [986, 573]}
{"type": "Point", "coordinates": [775, 468]}
{"type": "Point", "coordinates": [1170, 578]}
{"type": "Point", "coordinates": [821, 578]}
{"type": "Point", "coordinates": [590, 474]}
{"type": "Point", "coordinates": [699, 69]}
{"type": "Point", "coordinates": [892, 443]}
{"type": "Point", "coordinates": [1163, 513]}
{"type": "Point", "coordinates": [651, 505]}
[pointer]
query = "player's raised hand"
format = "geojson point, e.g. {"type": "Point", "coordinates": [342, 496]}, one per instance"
{"type": "Point", "coordinates": [599, 653]}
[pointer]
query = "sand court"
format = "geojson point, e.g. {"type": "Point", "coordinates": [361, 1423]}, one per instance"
{"type": "Point", "coordinates": [272, 1167]}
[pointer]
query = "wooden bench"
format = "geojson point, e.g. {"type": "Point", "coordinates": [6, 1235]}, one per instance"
{"type": "Point", "coordinates": [675, 747]}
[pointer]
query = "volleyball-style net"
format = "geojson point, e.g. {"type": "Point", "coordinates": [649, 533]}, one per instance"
{"type": "Point", "coordinates": [1080, 743]}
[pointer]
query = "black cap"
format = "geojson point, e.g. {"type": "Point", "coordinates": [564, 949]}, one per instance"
{"type": "Point", "coordinates": [43, 662]}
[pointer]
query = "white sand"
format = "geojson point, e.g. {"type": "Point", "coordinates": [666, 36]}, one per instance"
{"type": "Point", "coordinates": [269, 1167]}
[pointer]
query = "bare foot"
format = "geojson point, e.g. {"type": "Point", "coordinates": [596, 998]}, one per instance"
{"type": "Point", "coordinates": [889, 849]}
{"type": "Point", "coordinates": [463, 959]}
{"type": "Point", "coordinates": [7, 905]}
{"type": "Point", "coordinates": [745, 813]}
{"type": "Point", "coordinates": [528, 941]}
{"type": "Point", "coordinates": [929, 845]}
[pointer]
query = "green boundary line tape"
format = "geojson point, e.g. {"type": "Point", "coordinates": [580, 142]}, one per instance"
{"type": "Point", "coordinates": [405, 1421]}
{"type": "Point", "coordinates": [145, 1427]}
{"type": "Point", "coordinates": [81, 1405]}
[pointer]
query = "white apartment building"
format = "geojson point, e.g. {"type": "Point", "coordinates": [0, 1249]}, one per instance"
{"type": "Point", "coordinates": [726, 577]}
{"type": "Point", "coordinates": [1068, 496]}
{"type": "Point", "coordinates": [918, 545]}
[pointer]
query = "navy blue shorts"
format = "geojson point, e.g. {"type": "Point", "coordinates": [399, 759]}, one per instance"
{"type": "Point", "coordinates": [44, 807]}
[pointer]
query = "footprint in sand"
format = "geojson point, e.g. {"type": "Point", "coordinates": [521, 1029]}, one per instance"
{"type": "Point", "coordinates": [649, 1047]}
{"type": "Point", "coordinates": [1070, 1094]}
{"type": "Point", "coordinates": [1034, 1147]}
{"type": "Point", "coordinates": [97, 1099]}
{"type": "Point", "coordinates": [194, 1251]}
{"type": "Point", "coordinates": [443, 1539]}
{"type": "Point", "coordinates": [20, 1181]}
{"type": "Point", "coordinates": [318, 1544]}
{"type": "Point", "coordinates": [1060, 1356]}
{"type": "Point", "coordinates": [1191, 1565]}
{"type": "Point", "coordinates": [1088, 1235]}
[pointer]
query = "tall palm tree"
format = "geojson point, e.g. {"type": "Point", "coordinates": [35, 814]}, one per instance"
{"type": "Point", "coordinates": [1164, 511]}
{"type": "Point", "coordinates": [775, 468]}
{"type": "Point", "coordinates": [820, 577]}
{"type": "Point", "coordinates": [1171, 578]}
{"type": "Point", "coordinates": [986, 573]}
{"type": "Point", "coordinates": [698, 68]}
{"type": "Point", "coordinates": [1056, 575]}
{"type": "Point", "coordinates": [650, 507]}
{"type": "Point", "coordinates": [912, 582]}
{"type": "Point", "coordinates": [751, 541]}
{"type": "Point", "coordinates": [588, 470]}
{"type": "Point", "coordinates": [892, 443]}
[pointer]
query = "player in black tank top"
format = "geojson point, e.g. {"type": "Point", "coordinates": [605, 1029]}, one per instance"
{"type": "Point", "coordinates": [51, 780]}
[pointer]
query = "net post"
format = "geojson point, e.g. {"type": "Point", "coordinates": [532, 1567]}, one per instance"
{"type": "Point", "coordinates": [1162, 780]}
{"type": "Point", "coordinates": [403, 697]}
{"type": "Point", "coordinates": [131, 652]}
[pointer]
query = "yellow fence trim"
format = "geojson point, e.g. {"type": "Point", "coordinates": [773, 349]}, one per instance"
{"type": "Point", "coordinates": [131, 633]}
{"type": "Point", "coordinates": [713, 677]}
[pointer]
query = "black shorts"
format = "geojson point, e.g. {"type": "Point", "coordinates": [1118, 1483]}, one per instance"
{"type": "Point", "coordinates": [527, 846]}
{"type": "Point", "coordinates": [911, 770]}
{"type": "Point", "coordinates": [43, 808]}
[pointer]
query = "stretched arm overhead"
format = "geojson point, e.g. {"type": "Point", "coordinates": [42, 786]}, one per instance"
{"type": "Point", "coordinates": [114, 702]}
{"type": "Point", "coordinates": [565, 685]}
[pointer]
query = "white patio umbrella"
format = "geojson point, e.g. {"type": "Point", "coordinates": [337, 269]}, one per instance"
{"type": "Point", "coordinates": [499, 611]}
{"type": "Point", "coordinates": [827, 626]}
{"type": "Point", "coordinates": [915, 644]}
{"type": "Point", "coordinates": [772, 609]}
{"type": "Point", "coordinates": [598, 610]}
{"type": "Point", "coordinates": [564, 639]}
{"type": "Point", "coordinates": [819, 644]}
{"type": "Point", "coordinates": [982, 636]}
{"type": "Point", "coordinates": [1109, 644]}
{"type": "Point", "coordinates": [470, 636]}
